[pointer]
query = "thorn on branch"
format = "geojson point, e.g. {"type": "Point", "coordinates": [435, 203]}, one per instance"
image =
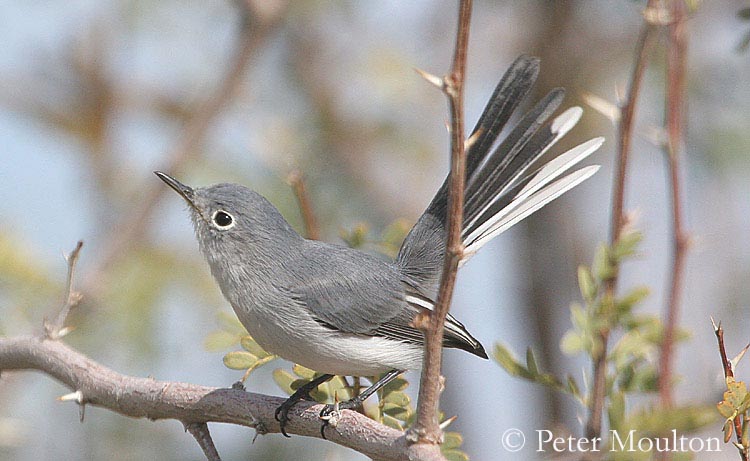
{"type": "Point", "coordinates": [431, 79]}
{"type": "Point", "coordinates": [200, 432]}
{"type": "Point", "coordinates": [76, 397]}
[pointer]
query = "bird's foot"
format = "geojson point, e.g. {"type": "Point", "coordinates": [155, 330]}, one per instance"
{"type": "Point", "coordinates": [282, 412]}
{"type": "Point", "coordinates": [303, 393]}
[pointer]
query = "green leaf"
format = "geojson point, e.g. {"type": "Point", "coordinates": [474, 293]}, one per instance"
{"type": "Point", "coordinates": [626, 245]}
{"type": "Point", "coordinates": [392, 422]}
{"type": "Point", "coordinates": [452, 440]}
{"type": "Point", "coordinates": [219, 340]}
{"type": "Point", "coordinates": [736, 399]}
{"type": "Point", "coordinates": [303, 372]}
{"type": "Point", "coordinates": [603, 268]}
{"type": "Point", "coordinates": [239, 360]}
{"type": "Point", "coordinates": [505, 358]}
{"type": "Point", "coordinates": [284, 380]}
{"type": "Point", "coordinates": [397, 398]}
{"type": "Point", "coordinates": [248, 343]}
{"type": "Point", "coordinates": [398, 384]}
{"type": "Point", "coordinates": [587, 284]}
{"type": "Point", "coordinates": [230, 323]}
{"type": "Point", "coordinates": [455, 455]}
{"type": "Point", "coordinates": [397, 411]}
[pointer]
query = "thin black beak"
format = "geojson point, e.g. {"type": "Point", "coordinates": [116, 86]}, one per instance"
{"type": "Point", "coordinates": [185, 191]}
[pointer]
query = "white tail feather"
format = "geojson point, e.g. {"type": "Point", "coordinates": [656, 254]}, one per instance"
{"type": "Point", "coordinates": [527, 206]}
{"type": "Point", "coordinates": [544, 176]}
{"type": "Point", "coordinates": [559, 165]}
{"type": "Point", "coordinates": [560, 127]}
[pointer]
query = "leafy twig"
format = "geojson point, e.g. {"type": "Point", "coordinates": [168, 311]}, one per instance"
{"type": "Point", "coordinates": [729, 373]}
{"type": "Point", "coordinates": [619, 221]}
{"type": "Point", "coordinates": [426, 429]}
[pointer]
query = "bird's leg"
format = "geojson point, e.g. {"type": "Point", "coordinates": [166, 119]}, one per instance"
{"type": "Point", "coordinates": [302, 393]}
{"type": "Point", "coordinates": [356, 402]}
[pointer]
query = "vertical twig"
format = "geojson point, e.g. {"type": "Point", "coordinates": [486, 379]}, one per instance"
{"type": "Point", "coordinates": [625, 135]}
{"type": "Point", "coordinates": [675, 110]}
{"type": "Point", "coordinates": [426, 428]}
{"type": "Point", "coordinates": [55, 329]}
{"type": "Point", "coordinates": [729, 372]}
{"type": "Point", "coordinates": [297, 182]}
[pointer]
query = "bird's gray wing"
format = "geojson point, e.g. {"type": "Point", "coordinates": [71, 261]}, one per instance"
{"type": "Point", "coordinates": [353, 292]}
{"type": "Point", "coordinates": [347, 289]}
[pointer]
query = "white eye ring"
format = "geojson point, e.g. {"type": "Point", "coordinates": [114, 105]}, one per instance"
{"type": "Point", "coordinates": [222, 220]}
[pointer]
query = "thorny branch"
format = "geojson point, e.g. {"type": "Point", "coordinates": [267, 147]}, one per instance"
{"type": "Point", "coordinates": [619, 221]}
{"type": "Point", "coordinates": [426, 429]}
{"type": "Point", "coordinates": [675, 120]}
{"type": "Point", "coordinates": [729, 372]}
{"type": "Point", "coordinates": [193, 405]}
{"type": "Point", "coordinates": [137, 397]}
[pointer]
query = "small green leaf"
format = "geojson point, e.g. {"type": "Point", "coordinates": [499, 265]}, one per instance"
{"type": "Point", "coordinates": [219, 340]}
{"type": "Point", "coordinates": [248, 343]}
{"type": "Point", "coordinates": [455, 455]}
{"type": "Point", "coordinates": [398, 384]}
{"type": "Point", "coordinates": [397, 398]}
{"type": "Point", "coordinates": [284, 380]}
{"type": "Point", "coordinates": [392, 422]}
{"type": "Point", "coordinates": [452, 440]}
{"type": "Point", "coordinates": [239, 360]}
{"type": "Point", "coordinates": [397, 411]}
{"type": "Point", "coordinates": [626, 245]}
{"type": "Point", "coordinates": [505, 358]}
{"type": "Point", "coordinates": [572, 343]}
{"type": "Point", "coordinates": [603, 268]}
{"type": "Point", "coordinates": [303, 372]}
{"type": "Point", "coordinates": [230, 323]}
{"type": "Point", "coordinates": [587, 284]}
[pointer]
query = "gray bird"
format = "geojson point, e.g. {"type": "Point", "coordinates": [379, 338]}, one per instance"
{"type": "Point", "coordinates": [340, 311]}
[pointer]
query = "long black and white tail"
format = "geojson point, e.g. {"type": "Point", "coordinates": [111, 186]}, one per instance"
{"type": "Point", "coordinates": [500, 188]}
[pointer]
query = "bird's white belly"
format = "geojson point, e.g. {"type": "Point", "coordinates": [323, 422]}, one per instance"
{"type": "Point", "coordinates": [324, 350]}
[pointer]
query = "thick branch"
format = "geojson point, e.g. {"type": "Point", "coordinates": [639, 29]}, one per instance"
{"type": "Point", "coordinates": [426, 429]}
{"type": "Point", "coordinates": [625, 135]}
{"type": "Point", "coordinates": [194, 404]}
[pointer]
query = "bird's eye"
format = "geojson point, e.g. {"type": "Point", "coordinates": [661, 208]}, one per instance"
{"type": "Point", "coordinates": [223, 220]}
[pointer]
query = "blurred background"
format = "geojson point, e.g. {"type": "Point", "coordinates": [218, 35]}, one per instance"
{"type": "Point", "coordinates": [95, 95]}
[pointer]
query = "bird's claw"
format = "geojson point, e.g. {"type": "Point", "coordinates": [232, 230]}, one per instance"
{"type": "Point", "coordinates": [282, 413]}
